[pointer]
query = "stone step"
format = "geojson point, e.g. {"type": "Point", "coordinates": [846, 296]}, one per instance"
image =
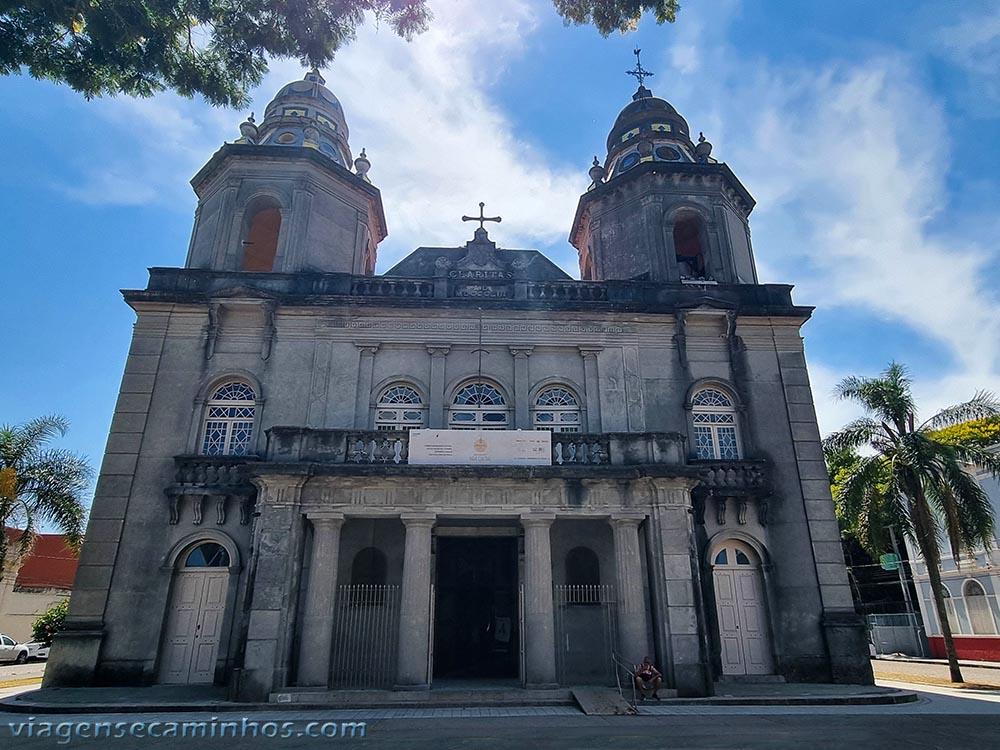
{"type": "Point", "coordinates": [450, 698]}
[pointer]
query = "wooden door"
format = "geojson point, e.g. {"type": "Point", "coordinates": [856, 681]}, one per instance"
{"type": "Point", "coordinates": [744, 642]}
{"type": "Point", "coordinates": [194, 626]}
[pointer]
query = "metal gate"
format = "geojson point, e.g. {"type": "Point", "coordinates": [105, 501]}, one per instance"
{"type": "Point", "coordinates": [586, 634]}
{"type": "Point", "coordinates": [897, 634]}
{"type": "Point", "coordinates": [365, 636]}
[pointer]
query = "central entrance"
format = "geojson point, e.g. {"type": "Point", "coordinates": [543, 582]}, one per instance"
{"type": "Point", "coordinates": [475, 616]}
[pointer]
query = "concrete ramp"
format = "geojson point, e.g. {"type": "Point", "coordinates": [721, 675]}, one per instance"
{"type": "Point", "coordinates": [595, 701]}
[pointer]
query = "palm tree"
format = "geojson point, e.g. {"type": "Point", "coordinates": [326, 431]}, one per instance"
{"type": "Point", "coordinates": [39, 484]}
{"type": "Point", "coordinates": [913, 477]}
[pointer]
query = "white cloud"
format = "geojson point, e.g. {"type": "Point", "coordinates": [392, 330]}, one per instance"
{"type": "Point", "coordinates": [972, 44]}
{"type": "Point", "coordinates": [422, 109]}
{"type": "Point", "coordinates": [848, 163]}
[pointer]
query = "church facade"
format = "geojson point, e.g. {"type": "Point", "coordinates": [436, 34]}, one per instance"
{"type": "Point", "coordinates": [471, 466]}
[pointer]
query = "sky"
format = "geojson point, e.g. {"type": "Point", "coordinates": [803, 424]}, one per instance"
{"type": "Point", "coordinates": [867, 132]}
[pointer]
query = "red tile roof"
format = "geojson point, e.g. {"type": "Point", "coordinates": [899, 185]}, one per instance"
{"type": "Point", "coordinates": [49, 565]}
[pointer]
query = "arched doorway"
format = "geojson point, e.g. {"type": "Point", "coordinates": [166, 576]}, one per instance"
{"type": "Point", "coordinates": [741, 610]}
{"type": "Point", "coordinates": [195, 617]}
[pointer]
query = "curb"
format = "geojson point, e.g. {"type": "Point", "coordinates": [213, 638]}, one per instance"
{"type": "Point", "coordinates": [937, 662]}
{"type": "Point", "coordinates": [12, 705]}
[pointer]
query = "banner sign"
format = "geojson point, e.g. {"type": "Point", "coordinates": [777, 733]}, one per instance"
{"type": "Point", "coordinates": [480, 448]}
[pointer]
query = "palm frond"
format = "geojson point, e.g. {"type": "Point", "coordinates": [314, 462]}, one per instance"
{"type": "Point", "coordinates": [887, 397]}
{"type": "Point", "coordinates": [861, 432]}
{"type": "Point", "coordinates": [983, 404]}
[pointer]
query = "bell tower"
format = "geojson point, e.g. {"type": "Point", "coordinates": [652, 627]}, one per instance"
{"type": "Point", "coordinates": [659, 207]}
{"type": "Point", "coordinates": [283, 197]}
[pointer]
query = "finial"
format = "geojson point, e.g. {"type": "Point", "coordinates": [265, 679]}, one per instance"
{"type": "Point", "coordinates": [640, 73]}
{"type": "Point", "coordinates": [703, 150]}
{"type": "Point", "coordinates": [482, 218]}
{"type": "Point", "coordinates": [248, 131]}
{"type": "Point", "coordinates": [597, 172]}
{"type": "Point", "coordinates": [362, 165]}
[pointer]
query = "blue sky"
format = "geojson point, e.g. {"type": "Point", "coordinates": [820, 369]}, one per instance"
{"type": "Point", "coordinates": [867, 133]}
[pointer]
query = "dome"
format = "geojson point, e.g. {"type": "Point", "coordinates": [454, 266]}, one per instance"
{"type": "Point", "coordinates": [646, 113]}
{"type": "Point", "coordinates": [306, 113]}
{"type": "Point", "coordinates": [647, 129]}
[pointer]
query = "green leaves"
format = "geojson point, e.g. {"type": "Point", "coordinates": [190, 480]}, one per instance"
{"type": "Point", "coordinates": [40, 484]}
{"type": "Point", "coordinates": [216, 48]}
{"type": "Point", "coordinates": [220, 48]}
{"type": "Point", "coordinates": [616, 15]}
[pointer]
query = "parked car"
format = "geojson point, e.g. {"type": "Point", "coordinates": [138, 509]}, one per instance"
{"type": "Point", "coordinates": [11, 650]}
{"type": "Point", "coordinates": [37, 650]}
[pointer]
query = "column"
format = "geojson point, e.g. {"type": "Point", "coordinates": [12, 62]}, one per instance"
{"type": "Point", "coordinates": [415, 608]}
{"type": "Point", "coordinates": [366, 367]}
{"type": "Point", "coordinates": [632, 639]}
{"type": "Point", "coordinates": [316, 635]}
{"type": "Point", "coordinates": [522, 410]}
{"type": "Point", "coordinates": [592, 386]}
{"type": "Point", "coordinates": [539, 629]}
{"type": "Point", "coordinates": [435, 415]}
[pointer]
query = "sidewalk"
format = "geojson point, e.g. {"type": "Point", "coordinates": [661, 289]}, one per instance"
{"type": "Point", "coordinates": [929, 660]}
{"type": "Point", "coordinates": [184, 698]}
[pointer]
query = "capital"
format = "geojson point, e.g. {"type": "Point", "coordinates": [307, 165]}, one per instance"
{"type": "Point", "coordinates": [626, 520]}
{"type": "Point", "coordinates": [417, 520]}
{"type": "Point", "coordinates": [590, 351]}
{"type": "Point", "coordinates": [367, 348]}
{"type": "Point", "coordinates": [537, 520]}
{"type": "Point", "coordinates": [325, 519]}
{"type": "Point", "coordinates": [521, 352]}
{"type": "Point", "coordinates": [438, 350]}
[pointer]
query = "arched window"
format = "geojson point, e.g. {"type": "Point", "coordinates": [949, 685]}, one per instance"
{"type": "Point", "coordinates": [369, 567]}
{"type": "Point", "coordinates": [582, 567]}
{"type": "Point", "coordinates": [261, 244]}
{"type": "Point", "coordinates": [978, 606]}
{"type": "Point", "coordinates": [478, 406]}
{"type": "Point", "coordinates": [714, 417]}
{"type": "Point", "coordinates": [687, 247]}
{"type": "Point", "coordinates": [734, 554]}
{"type": "Point", "coordinates": [229, 420]}
{"type": "Point", "coordinates": [399, 408]}
{"type": "Point", "coordinates": [949, 607]}
{"type": "Point", "coordinates": [556, 409]}
{"type": "Point", "coordinates": [207, 555]}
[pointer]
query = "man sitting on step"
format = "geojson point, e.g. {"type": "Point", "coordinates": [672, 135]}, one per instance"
{"type": "Point", "coordinates": [647, 679]}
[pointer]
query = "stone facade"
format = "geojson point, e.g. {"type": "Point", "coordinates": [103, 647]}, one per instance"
{"type": "Point", "coordinates": [312, 516]}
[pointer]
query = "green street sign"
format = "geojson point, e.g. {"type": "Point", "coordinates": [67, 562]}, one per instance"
{"type": "Point", "coordinates": [889, 561]}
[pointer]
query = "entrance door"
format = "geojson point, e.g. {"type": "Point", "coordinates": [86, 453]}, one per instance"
{"type": "Point", "coordinates": [745, 646]}
{"type": "Point", "coordinates": [194, 620]}
{"type": "Point", "coordinates": [475, 618]}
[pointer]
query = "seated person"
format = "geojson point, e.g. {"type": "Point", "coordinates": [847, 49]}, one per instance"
{"type": "Point", "coordinates": [648, 678]}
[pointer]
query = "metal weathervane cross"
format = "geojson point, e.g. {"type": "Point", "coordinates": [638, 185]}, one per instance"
{"type": "Point", "coordinates": [639, 71]}
{"type": "Point", "coordinates": [481, 218]}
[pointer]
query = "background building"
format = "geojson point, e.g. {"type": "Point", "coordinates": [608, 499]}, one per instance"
{"type": "Point", "coordinates": [644, 473]}
{"type": "Point", "coordinates": [40, 580]}
{"type": "Point", "coordinates": [971, 583]}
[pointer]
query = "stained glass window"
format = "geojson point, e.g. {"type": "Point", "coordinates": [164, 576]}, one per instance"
{"type": "Point", "coordinates": [714, 417]}
{"type": "Point", "coordinates": [229, 421]}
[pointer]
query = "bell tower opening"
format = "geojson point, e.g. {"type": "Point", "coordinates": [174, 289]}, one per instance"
{"type": "Point", "coordinates": [261, 244]}
{"type": "Point", "coordinates": [688, 249]}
